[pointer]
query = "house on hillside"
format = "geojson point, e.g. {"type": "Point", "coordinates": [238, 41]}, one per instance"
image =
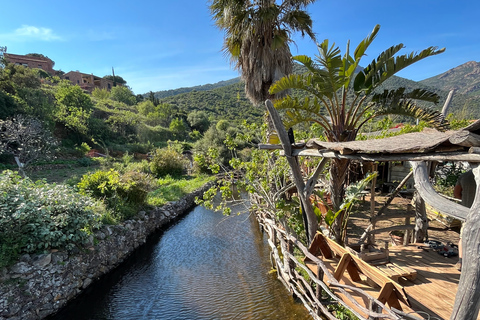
{"type": "Point", "coordinates": [43, 63]}
{"type": "Point", "coordinates": [88, 82]}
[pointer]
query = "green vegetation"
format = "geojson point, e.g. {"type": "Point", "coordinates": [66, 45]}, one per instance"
{"type": "Point", "coordinates": [40, 216]}
{"type": "Point", "coordinates": [171, 189]}
{"type": "Point", "coordinates": [329, 79]}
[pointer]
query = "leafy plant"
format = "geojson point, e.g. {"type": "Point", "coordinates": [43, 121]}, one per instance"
{"type": "Point", "coordinates": [352, 194]}
{"type": "Point", "coordinates": [167, 161]}
{"type": "Point", "coordinates": [122, 193]}
{"type": "Point", "coordinates": [38, 216]}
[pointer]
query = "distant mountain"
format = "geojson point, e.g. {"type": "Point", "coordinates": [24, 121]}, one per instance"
{"type": "Point", "coordinates": [463, 79]}
{"type": "Point", "coordinates": [226, 99]}
{"type": "Point", "coordinates": [205, 87]}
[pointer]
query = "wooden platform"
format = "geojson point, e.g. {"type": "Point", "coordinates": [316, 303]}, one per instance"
{"type": "Point", "coordinates": [434, 289]}
{"type": "Point", "coordinates": [429, 280]}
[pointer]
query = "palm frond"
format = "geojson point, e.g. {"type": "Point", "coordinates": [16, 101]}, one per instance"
{"type": "Point", "coordinates": [407, 107]}
{"type": "Point", "coordinates": [351, 63]}
{"type": "Point", "coordinates": [300, 21]}
{"type": "Point", "coordinates": [386, 65]}
{"type": "Point", "coordinates": [302, 110]}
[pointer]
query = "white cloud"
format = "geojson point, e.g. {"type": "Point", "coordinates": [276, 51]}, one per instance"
{"type": "Point", "coordinates": [27, 32]}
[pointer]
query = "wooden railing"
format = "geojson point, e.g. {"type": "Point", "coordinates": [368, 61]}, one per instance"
{"type": "Point", "coordinates": [316, 292]}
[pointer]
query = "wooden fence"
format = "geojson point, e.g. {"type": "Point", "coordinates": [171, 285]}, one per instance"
{"type": "Point", "coordinates": [316, 291]}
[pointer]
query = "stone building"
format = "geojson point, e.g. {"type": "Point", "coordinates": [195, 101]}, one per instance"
{"type": "Point", "coordinates": [88, 82]}
{"type": "Point", "coordinates": [30, 61]}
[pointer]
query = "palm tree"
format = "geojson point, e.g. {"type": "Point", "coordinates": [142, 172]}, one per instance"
{"type": "Point", "coordinates": [329, 80]}
{"type": "Point", "coordinates": [257, 38]}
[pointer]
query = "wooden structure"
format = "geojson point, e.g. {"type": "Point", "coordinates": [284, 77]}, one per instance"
{"type": "Point", "coordinates": [370, 292]}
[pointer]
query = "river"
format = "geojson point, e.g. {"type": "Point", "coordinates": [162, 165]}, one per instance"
{"type": "Point", "coordinates": [206, 266]}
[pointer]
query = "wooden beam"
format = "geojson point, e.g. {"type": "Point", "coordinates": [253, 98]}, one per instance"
{"type": "Point", "coordinates": [388, 296]}
{"type": "Point", "coordinates": [312, 221]}
{"type": "Point", "coordinates": [441, 156]}
{"type": "Point", "coordinates": [467, 300]}
{"type": "Point", "coordinates": [393, 228]}
{"type": "Point", "coordinates": [430, 196]}
{"type": "Point", "coordinates": [465, 138]}
{"type": "Point", "coordinates": [342, 265]}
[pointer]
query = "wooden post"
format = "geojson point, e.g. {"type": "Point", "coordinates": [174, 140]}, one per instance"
{"type": "Point", "coordinates": [318, 291]}
{"type": "Point", "coordinates": [374, 307]}
{"type": "Point", "coordinates": [421, 220]}
{"type": "Point", "coordinates": [406, 238]}
{"type": "Point", "coordinates": [467, 300]}
{"type": "Point", "coordinates": [312, 221]}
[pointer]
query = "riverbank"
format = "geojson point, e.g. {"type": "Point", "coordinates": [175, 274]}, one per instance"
{"type": "Point", "coordinates": [40, 285]}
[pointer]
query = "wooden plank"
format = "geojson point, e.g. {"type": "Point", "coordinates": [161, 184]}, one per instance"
{"type": "Point", "coordinates": [342, 265]}
{"type": "Point", "coordinates": [371, 272]}
{"type": "Point", "coordinates": [465, 138]}
{"type": "Point", "coordinates": [441, 156]}
{"type": "Point", "coordinates": [387, 295]}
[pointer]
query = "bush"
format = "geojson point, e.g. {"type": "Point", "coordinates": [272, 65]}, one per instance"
{"type": "Point", "coordinates": [121, 193]}
{"type": "Point", "coordinates": [167, 161]}
{"type": "Point", "coordinates": [35, 217]}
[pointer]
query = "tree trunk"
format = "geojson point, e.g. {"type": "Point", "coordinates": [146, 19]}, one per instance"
{"type": "Point", "coordinates": [338, 174]}
{"type": "Point", "coordinates": [467, 300]}
{"type": "Point", "coordinates": [421, 221]}
{"type": "Point", "coordinates": [312, 221]}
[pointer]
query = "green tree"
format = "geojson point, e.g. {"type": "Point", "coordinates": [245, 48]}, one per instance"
{"type": "Point", "coordinates": [257, 38]}
{"type": "Point", "coordinates": [198, 120]}
{"type": "Point", "coordinates": [178, 128]}
{"type": "Point", "coordinates": [73, 107]}
{"type": "Point", "coordinates": [116, 79]}
{"type": "Point", "coordinates": [123, 94]}
{"type": "Point", "coordinates": [101, 94]}
{"type": "Point", "coordinates": [152, 98]}
{"type": "Point", "coordinates": [328, 82]}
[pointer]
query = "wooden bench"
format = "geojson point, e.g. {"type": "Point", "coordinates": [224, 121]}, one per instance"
{"type": "Point", "coordinates": [389, 291]}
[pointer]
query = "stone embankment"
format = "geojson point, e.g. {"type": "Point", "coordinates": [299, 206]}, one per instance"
{"type": "Point", "coordinates": [40, 285]}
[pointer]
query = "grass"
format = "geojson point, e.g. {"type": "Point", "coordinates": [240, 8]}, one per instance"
{"type": "Point", "coordinates": [173, 189]}
{"type": "Point", "coordinates": [60, 174]}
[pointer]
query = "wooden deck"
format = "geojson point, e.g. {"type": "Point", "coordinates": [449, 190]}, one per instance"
{"type": "Point", "coordinates": [429, 285]}
{"type": "Point", "coordinates": [434, 289]}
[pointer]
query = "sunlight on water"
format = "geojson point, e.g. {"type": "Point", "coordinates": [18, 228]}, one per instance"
{"type": "Point", "coordinates": [207, 266]}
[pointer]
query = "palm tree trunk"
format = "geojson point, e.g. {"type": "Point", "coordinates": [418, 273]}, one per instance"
{"type": "Point", "coordinates": [338, 174]}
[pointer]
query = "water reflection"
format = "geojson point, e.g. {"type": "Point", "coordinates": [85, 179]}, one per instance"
{"type": "Point", "coordinates": [207, 266]}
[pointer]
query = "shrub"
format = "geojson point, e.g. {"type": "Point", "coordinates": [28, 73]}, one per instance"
{"type": "Point", "coordinates": [38, 216]}
{"type": "Point", "coordinates": [167, 161]}
{"type": "Point", "coordinates": [121, 193]}
{"type": "Point", "coordinates": [134, 187]}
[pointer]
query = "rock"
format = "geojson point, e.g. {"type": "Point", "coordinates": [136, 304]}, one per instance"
{"type": "Point", "coordinates": [100, 235]}
{"type": "Point", "coordinates": [21, 268]}
{"type": "Point", "coordinates": [42, 260]}
{"type": "Point", "coordinates": [25, 258]}
{"type": "Point", "coordinates": [86, 283]}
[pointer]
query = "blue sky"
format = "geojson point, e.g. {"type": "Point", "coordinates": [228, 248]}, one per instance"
{"type": "Point", "coordinates": [160, 45]}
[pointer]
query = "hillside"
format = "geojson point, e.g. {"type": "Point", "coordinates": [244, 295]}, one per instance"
{"type": "Point", "coordinates": [205, 87]}
{"type": "Point", "coordinates": [464, 79]}
{"type": "Point", "coordinates": [225, 102]}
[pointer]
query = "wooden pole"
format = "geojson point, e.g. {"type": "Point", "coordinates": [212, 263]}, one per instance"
{"type": "Point", "coordinates": [467, 300]}
{"type": "Point", "coordinates": [312, 221]}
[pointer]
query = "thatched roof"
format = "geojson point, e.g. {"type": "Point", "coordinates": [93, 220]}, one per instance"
{"type": "Point", "coordinates": [429, 140]}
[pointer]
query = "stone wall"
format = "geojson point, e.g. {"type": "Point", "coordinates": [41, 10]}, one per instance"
{"type": "Point", "coordinates": [40, 285]}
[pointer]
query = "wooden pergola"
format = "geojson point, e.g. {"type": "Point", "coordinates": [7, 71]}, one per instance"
{"type": "Point", "coordinates": [418, 148]}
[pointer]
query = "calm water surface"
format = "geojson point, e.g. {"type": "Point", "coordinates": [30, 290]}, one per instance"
{"type": "Point", "coordinates": [207, 266]}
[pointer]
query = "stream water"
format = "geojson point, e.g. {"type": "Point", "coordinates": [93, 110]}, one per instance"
{"type": "Point", "coordinates": [207, 266]}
